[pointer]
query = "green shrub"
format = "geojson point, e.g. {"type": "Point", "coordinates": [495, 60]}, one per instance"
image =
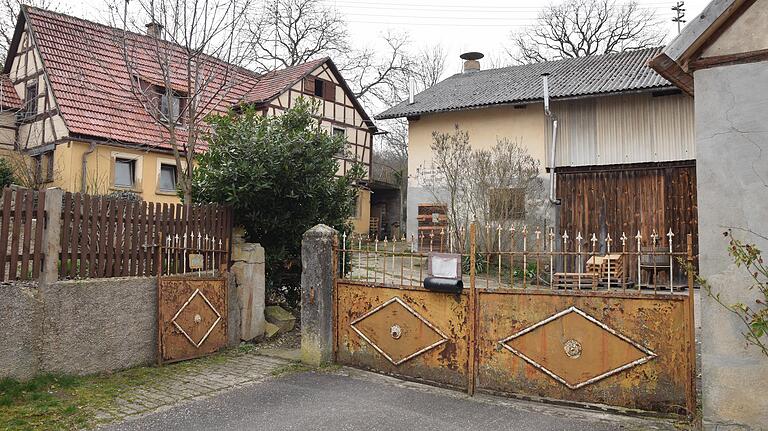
{"type": "Point", "coordinates": [279, 173]}
{"type": "Point", "coordinates": [6, 173]}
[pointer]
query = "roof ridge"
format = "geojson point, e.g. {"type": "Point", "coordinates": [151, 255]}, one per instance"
{"type": "Point", "coordinates": [146, 37]}
{"type": "Point", "coordinates": [582, 76]}
{"type": "Point", "coordinates": [565, 60]}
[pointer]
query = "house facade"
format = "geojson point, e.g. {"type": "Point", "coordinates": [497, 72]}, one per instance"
{"type": "Point", "coordinates": [721, 59]}
{"type": "Point", "coordinates": [87, 133]}
{"type": "Point", "coordinates": [624, 156]}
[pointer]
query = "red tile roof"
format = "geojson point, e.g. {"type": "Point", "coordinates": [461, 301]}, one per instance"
{"type": "Point", "coordinates": [272, 84]}
{"type": "Point", "coordinates": [9, 99]}
{"type": "Point", "coordinates": [91, 81]}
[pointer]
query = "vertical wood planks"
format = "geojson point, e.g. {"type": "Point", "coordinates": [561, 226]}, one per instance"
{"type": "Point", "coordinates": [106, 237]}
{"type": "Point", "coordinates": [37, 261]}
{"type": "Point", "coordinates": [15, 233]}
{"type": "Point", "coordinates": [27, 239]}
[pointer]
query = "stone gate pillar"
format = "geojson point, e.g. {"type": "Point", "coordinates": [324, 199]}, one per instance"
{"type": "Point", "coordinates": [317, 269]}
{"type": "Point", "coordinates": [248, 267]}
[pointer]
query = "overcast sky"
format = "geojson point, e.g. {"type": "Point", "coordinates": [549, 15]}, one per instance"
{"type": "Point", "coordinates": [459, 25]}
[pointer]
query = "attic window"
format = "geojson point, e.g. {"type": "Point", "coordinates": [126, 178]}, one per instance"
{"type": "Point", "coordinates": [170, 105]}
{"type": "Point", "coordinates": [30, 100]}
{"type": "Point", "coordinates": [320, 88]}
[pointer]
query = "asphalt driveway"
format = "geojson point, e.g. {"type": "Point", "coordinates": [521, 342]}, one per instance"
{"type": "Point", "coordinates": [356, 400]}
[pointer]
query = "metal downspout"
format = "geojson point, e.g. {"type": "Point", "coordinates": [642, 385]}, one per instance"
{"type": "Point", "coordinates": [553, 148]}
{"type": "Point", "coordinates": [84, 173]}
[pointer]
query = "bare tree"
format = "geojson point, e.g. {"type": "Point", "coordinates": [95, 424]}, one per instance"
{"type": "Point", "coordinates": [579, 28]}
{"type": "Point", "coordinates": [290, 32]}
{"type": "Point", "coordinates": [9, 13]}
{"type": "Point", "coordinates": [187, 71]}
{"type": "Point", "coordinates": [428, 67]}
{"type": "Point", "coordinates": [500, 185]}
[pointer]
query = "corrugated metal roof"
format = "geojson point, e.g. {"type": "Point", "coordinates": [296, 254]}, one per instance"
{"type": "Point", "coordinates": [599, 74]}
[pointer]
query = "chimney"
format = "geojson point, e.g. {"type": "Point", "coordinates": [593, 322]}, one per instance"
{"type": "Point", "coordinates": [471, 63]}
{"type": "Point", "coordinates": [155, 29]}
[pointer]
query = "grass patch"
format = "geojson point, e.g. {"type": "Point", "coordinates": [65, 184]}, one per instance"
{"type": "Point", "coordinates": [63, 402]}
{"type": "Point", "coordinates": [292, 368]}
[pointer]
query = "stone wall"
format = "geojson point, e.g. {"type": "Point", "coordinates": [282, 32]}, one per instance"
{"type": "Point", "coordinates": [732, 172]}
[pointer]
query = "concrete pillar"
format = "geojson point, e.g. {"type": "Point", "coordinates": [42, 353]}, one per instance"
{"type": "Point", "coordinates": [51, 237]}
{"type": "Point", "coordinates": [317, 270]}
{"type": "Point", "coordinates": [248, 267]}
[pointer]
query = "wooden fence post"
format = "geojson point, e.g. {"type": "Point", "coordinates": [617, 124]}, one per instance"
{"type": "Point", "coordinates": [51, 236]}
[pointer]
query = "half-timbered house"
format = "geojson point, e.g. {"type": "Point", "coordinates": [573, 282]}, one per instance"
{"type": "Point", "coordinates": [72, 110]}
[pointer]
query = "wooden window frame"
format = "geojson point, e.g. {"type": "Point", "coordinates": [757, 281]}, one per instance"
{"type": "Point", "coordinates": [30, 99]}
{"type": "Point", "coordinates": [162, 93]}
{"type": "Point", "coordinates": [160, 188]}
{"type": "Point", "coordinates": [328, 88]}
{"type": "Point", "coordinates": [137, 172]}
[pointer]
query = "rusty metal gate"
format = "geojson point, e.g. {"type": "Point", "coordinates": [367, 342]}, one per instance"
{"type": "Point", "coordinates": [192, 303]}
{"type": "Point", "coordinates": [609, 332]}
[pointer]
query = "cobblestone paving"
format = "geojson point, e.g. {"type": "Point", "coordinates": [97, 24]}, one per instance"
{"type": "Point", "coordinates": [200, 381]}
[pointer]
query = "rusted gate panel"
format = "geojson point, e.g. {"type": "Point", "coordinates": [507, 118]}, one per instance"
{"type": "Point", "coordinates": [408, 332]}
{"type": "Point", "coordinates": [616, 348]}
{"type": "Point", "coordinates": [192, 317]}
{"type": "Point", "coordinates": [600, 342]}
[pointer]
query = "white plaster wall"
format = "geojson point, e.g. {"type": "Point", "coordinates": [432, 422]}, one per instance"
{"type": "Point", "coordinates": [732, 171]}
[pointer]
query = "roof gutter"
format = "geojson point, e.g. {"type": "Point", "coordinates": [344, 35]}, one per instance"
{"type": "Point", "coordinates": [553, 148]}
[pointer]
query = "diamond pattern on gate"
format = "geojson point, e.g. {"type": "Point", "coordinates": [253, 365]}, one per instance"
{"type": "Point", "coordinates": [206, 308]}
{"type": "Point", "coordinates": [576, 349]}
{"type": "Point", "coordinates": [397, 331]}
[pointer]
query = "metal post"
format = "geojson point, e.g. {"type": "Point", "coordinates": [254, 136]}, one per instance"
{"type": "Point", "coordinates": [691, 404]}
{"type": "Point", "coordinates": [472, 312]}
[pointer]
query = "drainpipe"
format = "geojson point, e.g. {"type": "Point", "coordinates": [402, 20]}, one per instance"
{"type": "Point", "coordinates": [553, 148]}
{"type": "Point", "coordinates": [84, 175]}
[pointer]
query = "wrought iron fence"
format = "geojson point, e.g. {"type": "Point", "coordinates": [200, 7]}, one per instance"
{"type": "Point", "coordinates": [523, 257]}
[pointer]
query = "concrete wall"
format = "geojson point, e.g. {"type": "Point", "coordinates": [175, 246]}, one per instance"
{"type": "Point", "coordinates": [746, 34]}
{"type": "Point", "coordinates": [20, 330]}
{"type": "Point", "coordinates": [732, 160]}
{"type": "Point", "coordinates": [85, 326]}
{"type": "Point", "coordinates": [99, 325]}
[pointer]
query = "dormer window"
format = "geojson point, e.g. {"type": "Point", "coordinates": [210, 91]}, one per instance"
{"type": "Point", "coordinates": [170, 105]}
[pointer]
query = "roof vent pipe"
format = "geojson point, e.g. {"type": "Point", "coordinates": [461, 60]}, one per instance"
{"type": "Point", "coordinates": [411, 91]}
{"type": "Point", "coordinates": [471, 63]}
{"type": "Point", "coordinates": [553, 147]}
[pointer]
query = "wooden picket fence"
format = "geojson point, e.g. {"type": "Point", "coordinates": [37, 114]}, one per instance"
{"type": "Point", "coordinates": [107, 237]}
{"type": "Point", "coordinates": [21, 233]}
